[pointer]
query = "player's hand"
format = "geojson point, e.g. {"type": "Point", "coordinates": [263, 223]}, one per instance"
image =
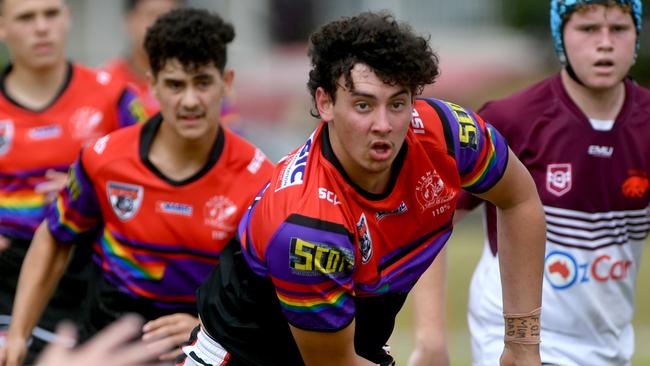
{"type": "Point", "coordinates": [113, 346]}
{"type": "Point", "coordinates": [515, 354]}
{"type": "Point", "coordinates": [55, 182]}
{"type": "Point", "coordinates": [172, 329]}
{"type": "Point", "coordinates": [14, 350]}
{"type": "Point", "coordinates": [4, 243]}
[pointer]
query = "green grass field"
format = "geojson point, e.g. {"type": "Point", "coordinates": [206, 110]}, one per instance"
{"type": "Point", "coordinates": [464, 250]}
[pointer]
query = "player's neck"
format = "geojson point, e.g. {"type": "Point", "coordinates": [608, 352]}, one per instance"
{"type": "Point", "coordinates": [178, 158]}
{"type": "Point", "coordinates": [602, 104]}
{"type": "Point", "coordinates": [35, 88]}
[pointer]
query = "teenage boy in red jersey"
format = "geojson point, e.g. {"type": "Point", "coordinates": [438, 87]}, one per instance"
{"type": "Point", "coordinates": [350, 220]}
{"type": "Point", "coordinates": [134, 65]}
{"type": "Point", "coordinates": [163, 198]}
{"type": "Point", "coordinates": [583, 135]}
{"type": "Point", "coordinates": [49, 108]}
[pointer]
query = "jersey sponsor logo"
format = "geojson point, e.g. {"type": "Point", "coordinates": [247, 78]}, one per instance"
{"type": "Point", "coordinates": [562, 270]}
{"type": "Point", "coordinates": [329, 196]}
{"type": "Point", "coordinates": [174, 208]}
{"type": "Point", "coordinates": [380, 215]}
{"type": "Point", "coordinates": [125, 199]}
{"type": "Point", "coordinates": [85, 122]}
{"type": "Point", "coordinates": [218, 212]}
{"type": "Point", "coordinates": [100, 145]}
{"type": "Point", "coordinates": [558, 179]}
{"type": "Point", "coordinates": [6, 135]}
{"type": "Point", "coordinates": [600, 151]}
{"type": "Point", "coordinates": [467, 130]}
{"type": "Point", "coordinates": [314, 259]}
{"type": "Point", "coordinates": [256, 163]}
{"type": "Point", "coordinates": [293, 171]}
{"type": "Point", "coordinates": [365, 241]}
{"type": "Point", "coordinates": [44, 132]}
{"type": "Point", "coordinates": [636, 185]}
{"type": "Point", "coordinates": [431, 191]}
{"type": "Point", "coordinates": [417, 125]}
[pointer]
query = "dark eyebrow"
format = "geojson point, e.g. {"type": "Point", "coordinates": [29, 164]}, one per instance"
{"type": "Point", "coordinates": [371, 96]}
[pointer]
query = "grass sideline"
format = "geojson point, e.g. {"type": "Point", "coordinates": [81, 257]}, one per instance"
{"type": "Point", "coordinates": [464, 250]}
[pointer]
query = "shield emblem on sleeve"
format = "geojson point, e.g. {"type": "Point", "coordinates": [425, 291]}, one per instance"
{"type": "Point", "coordinates": [558, 178]}
{"type": "Point", "coordinates": [6, 136]}
{"type": "Point", "coordinates": [125, 199]}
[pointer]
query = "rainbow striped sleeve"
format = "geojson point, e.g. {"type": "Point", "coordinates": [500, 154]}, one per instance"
{"type": "Point", "coordinates": [311, 264]}
{"type": "Point", "coordinates": [481, 152]}
{"type": "Point", "coordinates": [75, 212]}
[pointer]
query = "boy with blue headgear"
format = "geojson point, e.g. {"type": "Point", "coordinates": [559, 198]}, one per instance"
{"type": "Point", "coordinates": [583, 135]}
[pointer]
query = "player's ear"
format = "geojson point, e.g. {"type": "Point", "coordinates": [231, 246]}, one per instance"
{"type": "Point", "coordinates": [324, 104]}
{"type": "Point", "coordinates": [228, 80]}
{"type": "Point", "coordinates": [151, 80]}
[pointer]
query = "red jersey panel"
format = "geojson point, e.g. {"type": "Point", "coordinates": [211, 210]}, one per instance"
{"type": "Point", "coordinates": [159, 239]}
{"type": "Point", "coordinates": [89, 105]}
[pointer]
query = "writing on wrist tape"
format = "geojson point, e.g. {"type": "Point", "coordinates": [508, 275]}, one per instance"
{"type": "Point", "coordinates": [523, 328]}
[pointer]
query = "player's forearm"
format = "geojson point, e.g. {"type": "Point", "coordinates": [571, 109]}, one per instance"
{"type": "Point", "coordinates": [521, 255]}
{"type": "Point", "coordinates": [428, 302]}
{"type": "Point", "coordinates": [41, 271]}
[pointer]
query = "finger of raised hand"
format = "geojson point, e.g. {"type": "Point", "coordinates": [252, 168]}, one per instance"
{"type": "Point", "coordinates": [4, 245]}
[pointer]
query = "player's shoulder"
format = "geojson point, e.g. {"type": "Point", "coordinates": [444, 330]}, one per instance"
{"type": "Point", "coordinates": [527, 103]}
{"type": "Point", "coordinates": [97, 81]}
{"type": "Point", "coordinates": [111, 148]}
{"type": "Point", "coordinates": [642, 94]}
{"type": "Point", "coordinates": [244, 158]}
{"type": "Point", "coordinates": [306, 183]}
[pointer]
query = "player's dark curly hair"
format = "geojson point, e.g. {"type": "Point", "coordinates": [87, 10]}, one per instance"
{"type": "Point", "coordinates": [390, 48]}
{"type": "Point", "coordinates": [195, 37]}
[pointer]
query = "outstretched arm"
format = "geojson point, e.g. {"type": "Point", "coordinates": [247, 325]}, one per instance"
{"type": "Point", "coordinates": [521, 237]}
{"type": "Point", "coordinates": [41, 272]}
{"type": "Point", "coordinates": [428, 302]}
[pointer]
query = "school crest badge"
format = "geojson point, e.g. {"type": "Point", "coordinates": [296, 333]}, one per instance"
{"type": "Point", "coordinates": [125, 199]}
{"type": "Point", "coordinates": [6, 135]}
{"type": "Point", "coordinates": [558, 179]}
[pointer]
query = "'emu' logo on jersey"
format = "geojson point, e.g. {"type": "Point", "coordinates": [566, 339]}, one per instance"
{"type": "Point", "coordinates": [558, 178]}
{"type": "Point", "coordinates": [313, 259]}
{"type": "Point", "coordinates": [467, 131]}
{"type": "Point", "coordinates": [6, 135]}
{"type": "Point", "coordinates": [365, 241]}
{"type": "Point", "coordinates": [125, 199]}
{"type": "Point", "coordinates": [293, 170]}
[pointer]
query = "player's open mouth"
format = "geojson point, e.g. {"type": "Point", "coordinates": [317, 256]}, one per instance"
{"type": "Point", "coordinates": [380, 150]}
{"type": "Point", "coordinates": [604, 63]}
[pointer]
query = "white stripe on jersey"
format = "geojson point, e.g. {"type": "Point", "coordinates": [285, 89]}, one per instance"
{"type": "Point", "coordinates": [596, 230]}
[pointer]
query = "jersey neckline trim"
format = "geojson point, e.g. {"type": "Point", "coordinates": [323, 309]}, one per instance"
{"type": "Point", "coordinates": [146, 139]}
{"type": "Point", "coordinates": [328, 154]}
{"type": "Point", "coordinates": [64, 86]}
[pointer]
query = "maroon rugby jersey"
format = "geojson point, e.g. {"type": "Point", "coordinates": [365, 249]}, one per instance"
{"type": "Point", "coordinates": [594, 188]}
